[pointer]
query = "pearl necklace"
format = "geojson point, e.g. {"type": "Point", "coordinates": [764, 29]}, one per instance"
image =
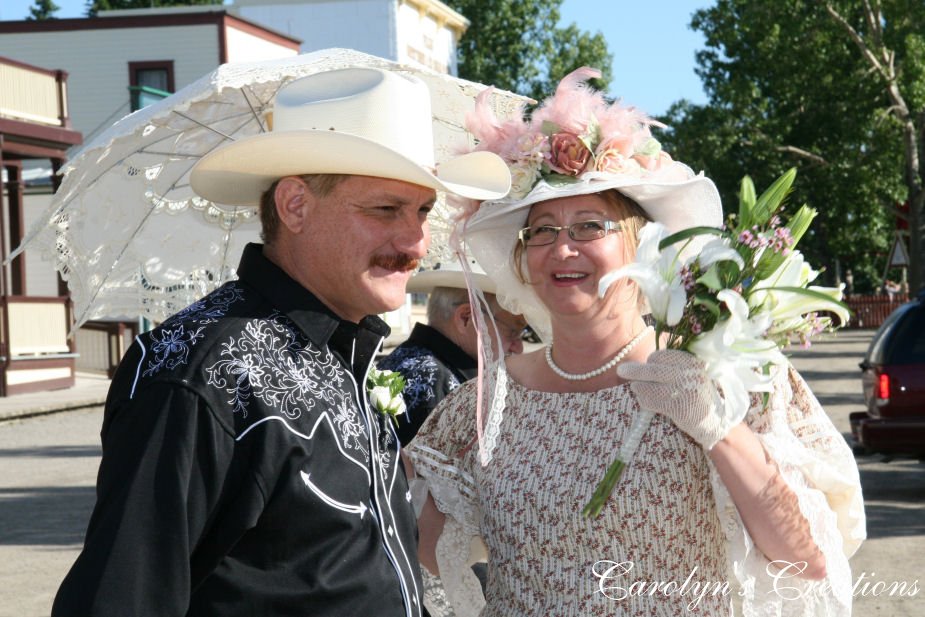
{"type": "Point", "coordinates": [609, 365]}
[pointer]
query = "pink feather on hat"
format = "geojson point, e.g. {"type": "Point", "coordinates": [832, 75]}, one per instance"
{"type": "Point", "coordinates": [573, 104]}
{"type": "Point", "coordinates": [575, 131]}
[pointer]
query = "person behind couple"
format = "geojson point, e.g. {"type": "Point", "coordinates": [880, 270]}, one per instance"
{"type": "Point", "coordinates": [443, 353]}
{"type": "Point", "coordinates": [243, 470]}
{"type": "Point", "coordinates": [699, 497]}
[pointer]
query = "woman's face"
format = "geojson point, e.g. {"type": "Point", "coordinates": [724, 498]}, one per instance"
{"type": "Point", "coordinates": [565, 274]}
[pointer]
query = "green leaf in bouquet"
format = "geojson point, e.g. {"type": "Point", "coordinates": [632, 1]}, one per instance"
{"type": "Point", "coordinates": [746, 202]}
{"type": "Point", "coordinates": [685, 234]}
{"type": "Point", "coordinates": [772, 199]}
{"type": "Point", "coordinates": [768, 263]}
{"type": "Point", "coordinates": [711, 279]}
{"type": "Point", "coordinates": [709, 302]}
{"type": "Point", "coordinates": [799, 223]}
{"type": "Point", "coordinates": [729, 273]}
{"type": "Point", "coordinates": [837, 305]}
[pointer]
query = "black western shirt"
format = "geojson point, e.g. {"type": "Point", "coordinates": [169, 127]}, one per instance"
{"type": "Point", "coordinates": [244, 472]}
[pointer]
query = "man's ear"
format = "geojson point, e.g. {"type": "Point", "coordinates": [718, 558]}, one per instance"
{"type": "Point", "coordinates": [293, 203]}
{"type": "Point", "coordinates": [462, 317]}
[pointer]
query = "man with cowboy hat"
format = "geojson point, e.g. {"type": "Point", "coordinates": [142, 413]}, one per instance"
{"type": "Point", "coordinates": [244, 471]}
{"type": "Point", "coordinates": [443, 353]}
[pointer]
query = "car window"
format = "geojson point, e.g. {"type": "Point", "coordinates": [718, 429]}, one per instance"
{"type": "Point", "coordinates": [907, 342]}
{"type": "Point", "coordinates": [876, 353]}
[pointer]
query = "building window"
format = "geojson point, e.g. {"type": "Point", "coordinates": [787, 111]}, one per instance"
{"type": "Point", "coordinates": [149, 82]}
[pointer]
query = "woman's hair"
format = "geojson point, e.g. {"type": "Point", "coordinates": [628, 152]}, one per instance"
{"type": "Point", "coordinates": [319, 184]}
{"type": "Point", "coordinates": [630, 215]}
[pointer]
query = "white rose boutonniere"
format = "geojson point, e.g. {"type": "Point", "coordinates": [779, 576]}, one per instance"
{"type": "Point", "coordinates": [385, 389]}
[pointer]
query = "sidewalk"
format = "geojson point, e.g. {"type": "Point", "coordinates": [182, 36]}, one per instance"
{"type": "Point", "coordinates": [89, 391]}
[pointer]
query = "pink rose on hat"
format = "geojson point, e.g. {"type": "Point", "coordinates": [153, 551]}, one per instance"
{"type": "Point", "coordinates": [615, 156]}
{"type": "Point", "coordinates": [568, 155]}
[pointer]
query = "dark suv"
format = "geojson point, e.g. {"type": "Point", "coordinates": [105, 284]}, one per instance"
{"type": "Point", "coordinates": [893, 380]}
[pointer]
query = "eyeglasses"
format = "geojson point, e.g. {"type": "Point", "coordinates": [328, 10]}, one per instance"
{"type": "Point", "coordinates": [582, 231]}
{"type": "Point", "coordinates": [510, 332]}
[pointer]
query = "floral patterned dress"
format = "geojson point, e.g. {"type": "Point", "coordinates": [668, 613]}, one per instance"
{"type": "Point", "coordinates": [668, 542]}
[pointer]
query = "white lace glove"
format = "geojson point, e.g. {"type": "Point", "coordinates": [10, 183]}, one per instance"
{"type": "Point", "coordinates": [675, 384]}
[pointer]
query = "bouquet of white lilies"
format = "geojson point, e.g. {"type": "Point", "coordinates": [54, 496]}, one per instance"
{"type": "Point", "coordinates": [736, 301]}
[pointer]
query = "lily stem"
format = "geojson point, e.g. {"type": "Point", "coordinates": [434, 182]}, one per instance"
{"type": "Point", "coordinates": [604, 488]}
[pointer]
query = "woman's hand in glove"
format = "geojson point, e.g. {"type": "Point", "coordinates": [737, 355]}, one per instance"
{"type": "Point", "coordinates": [675, 384]}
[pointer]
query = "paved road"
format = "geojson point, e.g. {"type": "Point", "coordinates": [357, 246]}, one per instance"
{"type": "Point", "coordinates": [49, 466]}
{"type": "Point", "coordinates": [894, 492]}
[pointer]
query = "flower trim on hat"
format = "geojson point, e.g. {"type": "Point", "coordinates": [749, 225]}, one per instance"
{"type": "Point", "coordinates": [573, 132]}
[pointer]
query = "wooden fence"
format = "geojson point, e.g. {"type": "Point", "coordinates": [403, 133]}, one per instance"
{"type": "Point", "coordinates": [871, 311]}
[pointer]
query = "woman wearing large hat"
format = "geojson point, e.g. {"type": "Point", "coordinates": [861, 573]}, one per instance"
{"type": "Point", "coordinates": [703, 508]}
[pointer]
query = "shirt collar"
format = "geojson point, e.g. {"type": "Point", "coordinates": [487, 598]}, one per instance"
{"type": "Point", "coordinates": [322, 326]}
{"type": "Point", "coordinates": [447, 351]}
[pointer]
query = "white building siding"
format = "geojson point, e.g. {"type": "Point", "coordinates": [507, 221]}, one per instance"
{"type": "Point", "coordinates": [41, 276]}
{"type": "Point", "coordinates": [422, 40]}
{"type": "Point", "coordinates": [365, 25]}
{"type": "Point", "coordinates": [97, 63]}
{"type": "Point", "coordinates": [246, 47]}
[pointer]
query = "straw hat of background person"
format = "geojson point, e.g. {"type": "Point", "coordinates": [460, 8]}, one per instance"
{"type": "Point", "coordinates": [450, 274]}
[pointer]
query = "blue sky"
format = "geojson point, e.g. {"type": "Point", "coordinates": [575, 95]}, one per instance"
{"type": "Point", "coordinates": [652, 46]}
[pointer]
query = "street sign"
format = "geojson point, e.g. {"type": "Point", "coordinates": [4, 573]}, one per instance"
{"type": "Point", "coordinates": [899, 256]}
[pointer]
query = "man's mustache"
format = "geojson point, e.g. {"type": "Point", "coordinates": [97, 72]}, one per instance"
{"type": "Point", "coordinates": [397, 263]}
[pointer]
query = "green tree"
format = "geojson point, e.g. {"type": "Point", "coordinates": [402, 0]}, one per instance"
{"type": "Point", "coordinates": [517, 45]}
{"type": "Point", "coordinates": [789, 84]}
{"type": "Point", "coordinates": [43, 9]}
{"type": "Point", "coordinates": [95, 6]}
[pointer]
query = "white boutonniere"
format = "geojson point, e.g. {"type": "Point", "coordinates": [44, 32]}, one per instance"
{"type": "Point", "coordinates": [385, 389]}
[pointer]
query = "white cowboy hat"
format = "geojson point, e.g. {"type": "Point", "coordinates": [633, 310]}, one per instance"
{"type": "Point", "coordinates": [357, 121]}
{"type": "Point", "coordinates": [450, 274]}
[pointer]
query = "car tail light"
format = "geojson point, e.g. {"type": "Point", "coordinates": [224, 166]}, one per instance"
{"type": "Point", "coordinates": [883, 387]}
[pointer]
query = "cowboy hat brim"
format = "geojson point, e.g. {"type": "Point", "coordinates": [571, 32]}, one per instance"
{"type": "Point", "coordinates": [238, 174]}
{"type": "Point", "coordinates": [427, 280]}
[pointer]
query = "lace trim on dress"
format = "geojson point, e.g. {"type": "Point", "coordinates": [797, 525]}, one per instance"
{"type": "Point", "coordinates": [457, 591]}
{"type": "Point", "coordinates": [463, 591]}
{"type": "Point", "coordinates": [817, 465]}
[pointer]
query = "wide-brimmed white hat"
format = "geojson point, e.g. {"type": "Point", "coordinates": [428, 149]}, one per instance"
{"type": "Point", "coordinates": [621, 155]}
{"type": "Point", "coordinates": [675, 197]}
{"type": "Point", "coordinates": [450, 274]}
{"type": "Point", "coordinates": [357, 121]}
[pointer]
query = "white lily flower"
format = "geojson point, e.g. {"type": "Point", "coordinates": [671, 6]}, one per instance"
{"type": "Point", "coordinates": [658, 274]}
{"type": "Point", "coordinates": [735, 351]}
{"type": "Point", "coordinates": [716, 250]}
{"type": "Point", "coordinates": [787, 307]}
